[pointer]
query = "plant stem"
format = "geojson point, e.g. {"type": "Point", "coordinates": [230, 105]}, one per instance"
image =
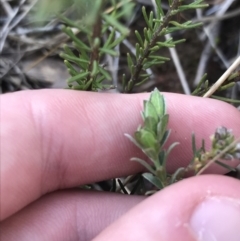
{"type": "Point", "coordinates": [97, 31]}
{"type": "Point", "coordinates": [147, 51]}
{"type": "Point", "coordinates": [229, 147]}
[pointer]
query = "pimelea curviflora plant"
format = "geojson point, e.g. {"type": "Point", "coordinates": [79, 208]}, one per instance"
{"type": "Point", "coordinates": [153, 134]}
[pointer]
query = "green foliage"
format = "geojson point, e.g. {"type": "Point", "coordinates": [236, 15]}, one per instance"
{"type": "Point", "coordinates": [101, 23]}
{"type": "Point", "coordinates": [152, 136]}
{"type": "Point", "coordinates": [84, 62]}
{"type": "Point", "coordinates": [203, 87]}
{"type": "Point", "coordinates": [149, 42]}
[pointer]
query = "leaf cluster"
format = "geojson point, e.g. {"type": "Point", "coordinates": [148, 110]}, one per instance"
{"type": "Point", "coordinates": [84, 62]}
{"type": "Point", "coordinates": [203, 86]}
{"type": "Point", "coordinates": [104, 31]}
{"type": "Point", "coordinates": [153, 134]}
{"type": "Point", "coordinates": [158, 25]}
{"type": "Point", "coordinates": [221, 140]}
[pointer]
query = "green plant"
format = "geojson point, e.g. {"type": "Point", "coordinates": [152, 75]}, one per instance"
{"type": "Point", "coordinates": [203, 87]}
{"type": "Point", "coordinates": [85, 67]}
{"type": "Point", "coordinates": [102, 24]}
{"type": "Point", "coordinates": [101, 29]}
{"type": "Point", "coordinates": [152, 136]}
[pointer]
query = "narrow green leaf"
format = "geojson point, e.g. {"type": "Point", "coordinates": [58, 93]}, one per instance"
{"type": "Point", "coordinates": [80, 82]}
{"type": "Point", "coordinates": [151, 20]}
{"type": "Point", "coordinates": [68, 51]}
{"type": "Point", "coordinates": [196, 6]}
{"type": "Point", "coordinates": [159, 57]}
{"type": "Point", "coordinates": [148, 65]}
{"type": "Point", "coordinates": [71, 68]}
{"type": "Point", "coordinates": [99, 81]}
{"type": "Point", "coordinates": [133, 141]}
{"type": "Point", "coordinates": [150, 124]}
{"type": "Point", "coordinates": [73, 59]}
{"type": "Point", "coordinates": [77, 41]}
{"type": "Point", "coordinates": [123, 82]}
{"type": "Point", "coordinates": [104, 73]}
{"type": "Point", "coordinates": [165, 44]}
{"type": "Point", "coordinates": [130, 82]}
{"type": "Point", "coordinates": [74, 24]}
{"type": "Point", "coordinates": [78, 77]}
{"type": "Point", "coordinates": [194, 148]}
{"type": "Point", "coordinates": [149, 33]}
{"type": "Point", "coordinates": [150, 110]}
{"type": "Point", "coordinates": [95, 68]}
{"type": "Point", "coordinates": [154, 49]}
{"type": "Point", "coordinates": [186, 25]}
{"type": "Point", "coordinates": [129, 60]}
{"type": "Point", "coordinates": [179, 41]}
{"type": "Point", "coordinates": [72, 73]}
{"type": "Point", "coordinates": [226, 99]}
{"type": "Point", "coordinates": [82, 53]}
{"type": "Point", "coordinates": [140, 40]}
{"type": "Point", "coordinates": [162, 158]}
{"type": "Point", "coordinates": [87, 85]}
{"type": "Point", "coordinates": [165, 137]}
{"type": "Point", "coordinates": [160, 13]}
{"type": "Point", "coordinates": [143, 163]}
{"type": "Point", "coordinates": [171, 147]}
{"type": "Point", "coordinates": [227, 86]}
{"type": "Point", "coordinates": [143, 81]}
{"type": "Point", "coordinates": [137, 50]}
{"type": "Point", "coordinates": [146, 139]}
{"type": "Point", "coordinates": [158, 101]}
{"type": "Point", "coordinates": [113, 22]}
{"type": "Point", "coordinates": [84, 86]}
{"type": "Point", "coordinates": [178, 175]}
{"type": "Point", "coordinates": [162, 127]}
{"type": "Point", "coordinates": [151, 154]}
{"type": "Point", "coordinates": [109, 51]}
{"type": "Point", "coordinates": [117, 41]}
{"type": "Point", "coordinates": [146, 17]}
{"type": "Point", "coordinates": [154, 180]}
{"type": "Point", "coordinates": [145, 32]}
{"type": "Point", "coordinates": [110, 38]}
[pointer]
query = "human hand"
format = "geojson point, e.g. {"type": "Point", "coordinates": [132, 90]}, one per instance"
{"type": "Point", "coordinates": [55, 140]}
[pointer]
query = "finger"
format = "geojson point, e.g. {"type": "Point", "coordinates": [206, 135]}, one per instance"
{"type": "Point", "coordinates": [201, 208]}
{"type": "Point", "coordinates": [67, 215]}
{"type": "Point", "coordinates": [58, 139]}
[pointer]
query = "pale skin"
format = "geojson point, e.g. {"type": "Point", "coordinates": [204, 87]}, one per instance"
{"type": "Point", "coordinates": [55, 140]}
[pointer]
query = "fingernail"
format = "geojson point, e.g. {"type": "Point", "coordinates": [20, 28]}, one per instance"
{"type": "Point", "coordinates": [216, 219]}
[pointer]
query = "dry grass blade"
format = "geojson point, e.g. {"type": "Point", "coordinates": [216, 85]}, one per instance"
{"type": "Point", "coordinates": [223, 78]}
{"type": "Point", "coordinates": [218, 156]}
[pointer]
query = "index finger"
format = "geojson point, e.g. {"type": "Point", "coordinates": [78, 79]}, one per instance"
{"type": "Point", "coordinates": [54, 139]}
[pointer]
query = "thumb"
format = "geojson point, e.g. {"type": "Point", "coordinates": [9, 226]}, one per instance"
{"type": "Point", "coordinates": [203, 208]}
